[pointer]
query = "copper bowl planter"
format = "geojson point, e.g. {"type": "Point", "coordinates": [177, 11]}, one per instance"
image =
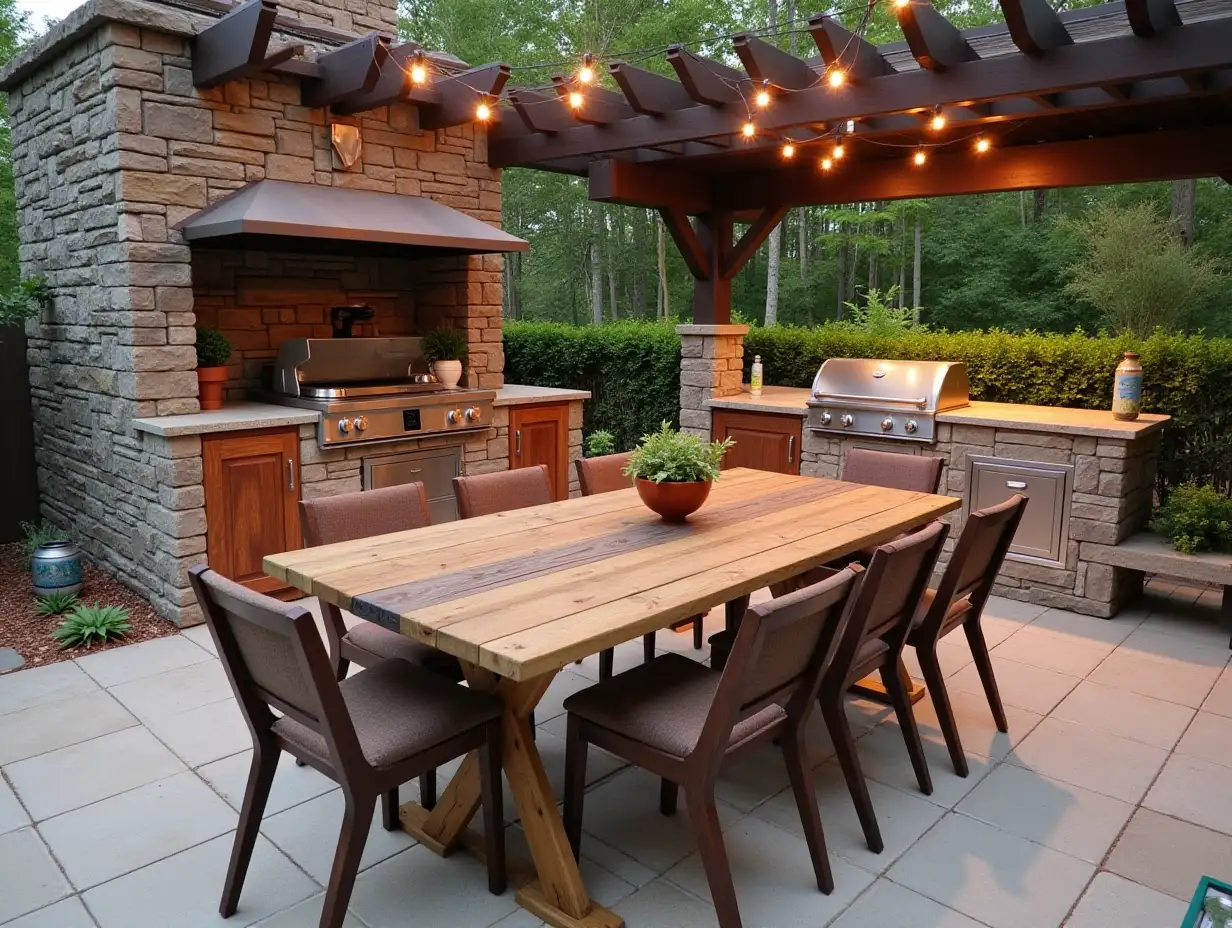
{"type": "Point", "coordinates": [675, 502]}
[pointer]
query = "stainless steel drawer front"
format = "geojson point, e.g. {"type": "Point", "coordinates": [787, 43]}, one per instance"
{"type": "Point", "coordinates": [1044, 531]}
{"type": "Point", "coordinates": [434, 469]}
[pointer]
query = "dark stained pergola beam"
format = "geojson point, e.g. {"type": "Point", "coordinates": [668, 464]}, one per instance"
{"type": "Point", "coordinates": [647, 92]}
{"type": "Point", "coordinates": [1034, 26]}
{"type": "Point", "coordinates": [237, 46]}
{"type": "Point", "coordinates": [631, 184]}
{"type": "Point", "coordinates": [765, 63]}
{"type": "Point", "coordinates": [599, 106]}
{"type": "Point", "coordinates": [461, 93]}
{"type": "Point", "coordinates": [738, 255]}
{"type": "Point", "coordinates": [352, 69]}
{"type": "Point", "coordinates": [706, 81]}
{"type": "Point", "coordinates": [1202, 48]}
{"type": "Point", "coordinates": [392, 86]}
{"type": "Point", "coordinates": [694, 252]}
{"type": "Point", "coordinates": [298, 67]}
{"type": "Point", "coordinates": [935, 42]}
{"type": "Point", "coordinates": [859, 59]}
{"type": "Point", "coordinates": [540, 112]}
{"type": "Point", "coordinates": [1151, 17]}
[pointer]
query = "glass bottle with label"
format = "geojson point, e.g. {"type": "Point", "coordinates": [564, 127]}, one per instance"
{"type": "Point", "coordinates": [1127, 388]}
{"type": "Point", "coordinates": [755, 376]}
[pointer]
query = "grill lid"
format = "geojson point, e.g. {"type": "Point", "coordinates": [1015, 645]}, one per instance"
{"type": "Point", "coordinates": [909, 386]}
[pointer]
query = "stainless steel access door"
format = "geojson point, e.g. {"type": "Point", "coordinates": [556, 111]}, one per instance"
{"type": "Point", "coordinates": [435, 469]}
{"type": "Point", "coordinates": [1044, 531]}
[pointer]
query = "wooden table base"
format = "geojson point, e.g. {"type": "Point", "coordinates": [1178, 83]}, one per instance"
{"type": "Point", "coordinates": [872, 688]}
{"type": "Point", "coordinates": [555, 892]}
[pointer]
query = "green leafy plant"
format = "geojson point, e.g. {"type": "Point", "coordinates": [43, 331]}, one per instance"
{"type": "Point", "coordinates": [1196, 518]}
{"type": "Point", "coordinates": [673, 457]}
{"type": "Point", "coordinates": [24, 301]}
{"type": "Point", "coordinates": [36, 535]}
{"type": "Point", "coordinates": [879, 316]}
{"type": "Point", "coordinates": [87, 626]}
{"type": "Point", "coordinates": [599, 443]}
{"type": "Point", "coordinates": [213, 348]}
{"type": "Point", "coordinates": [56, 603]}
{"type": "Point", "coordinates": [445, 345]}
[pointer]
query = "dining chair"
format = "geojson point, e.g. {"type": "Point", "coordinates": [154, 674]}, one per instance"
{"type": "Point", "coordinates": [959, 601]}
{"type": "Point", "coordinates": [485, 494]}
{"type": "Point", "coordinates": [681, 721]}
{"type": "Point", "coordinates": [346, 517]}
{"type": "Point", "coordinates": [895, 471]}
{"type": "Point", "coordinates": [370, 732]}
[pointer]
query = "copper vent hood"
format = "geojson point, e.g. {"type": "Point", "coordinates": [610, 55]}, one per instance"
{"type": "Point", "coordinates": [280, 215]}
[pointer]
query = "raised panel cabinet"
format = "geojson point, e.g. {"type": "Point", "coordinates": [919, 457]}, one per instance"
{"type": "Point", "coordinates": [540, 435]}
{"type": "Point", "coordinates": [763, 440]}
{"type": "Point", "coordinates": [251, 503]}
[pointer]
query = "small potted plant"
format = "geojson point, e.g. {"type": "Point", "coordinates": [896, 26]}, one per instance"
{"type": "Point", "coordinates": [213, 352]}
{"type": "Point", "coordinates": [445, 350]}
{"type": "Point", "coordinates": [674, 472]}
{"type": "Point", "coordinates": [600, 443]}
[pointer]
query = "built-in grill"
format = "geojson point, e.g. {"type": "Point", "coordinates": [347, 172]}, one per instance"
{"type": "Point", "coordinates": [888, 399]}
{"type": "Point", "coordinates": [372, 390]}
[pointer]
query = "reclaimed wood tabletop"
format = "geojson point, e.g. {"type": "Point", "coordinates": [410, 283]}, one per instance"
{"type": "Point", "coordinates": [518, 595]}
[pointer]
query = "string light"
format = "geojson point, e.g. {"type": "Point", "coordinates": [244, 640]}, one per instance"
{"type": "Point", "coordinates": [982, 145]}
{"type": "Point", "coordinates": [837, 78]}
{"type": "Point", "coordinates": [576, 100]}
{"type": "Point", "coordinates": [586, 73]}
{"type": "Point", "coordinates": [419, 72]}
{"type": "Point", "coordinates": [763, 95]}
{"type": "Point", "coordinates": [748, 130]}
{"type": "Point", "coordinates": [839, 151]}
{"type": "Point", "coordinates": [789, 150]}
{"type": "Point", "coordinates": [902, 4]}
{"type": "Point", "coordinates": [919, 158]}
{"type": "Point", "coordinates": [826, 164]}
{"type": "Point", "coordinates": [937, 123]}
{"type": "Point", "coordinates": [483, 112]}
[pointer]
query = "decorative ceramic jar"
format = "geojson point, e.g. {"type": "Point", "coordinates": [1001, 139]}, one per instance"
{"type": "Point", "coordinates": [448, 373]}
{"type": "Point", "coordinates": [674, 501]}
{"type": "Point", "coordinates": [57, 568]}
{"type": "Point", "coordinates": [1127, 388]}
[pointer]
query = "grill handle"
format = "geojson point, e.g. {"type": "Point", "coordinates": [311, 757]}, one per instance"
{"type": "Point", "coordinates": [920, 401]}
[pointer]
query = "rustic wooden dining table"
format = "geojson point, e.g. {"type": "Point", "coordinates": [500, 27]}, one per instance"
{"type": "Point", "coordinates": [519, 595]}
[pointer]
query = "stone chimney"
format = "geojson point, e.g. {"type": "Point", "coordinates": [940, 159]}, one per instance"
{"type": "Point", "coordinates": [359, 16]}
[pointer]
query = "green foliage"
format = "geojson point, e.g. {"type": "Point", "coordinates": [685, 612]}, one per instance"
{"type": "Point", "coordinates": [599, 443]}
{"type": "Point", "coordinates": [445, 345]}
{"type": "Point", "coordinates": [1196, 518]}
{"type": "Point", "coordinates": [87, 626]}
{"type": "Point", "coordinates": [24, 301]}
{"type": "Point", "coordinates": [36, 535]}
{"type": "Point", "coordinates": [632, 370]}
{"type": "Point", "coordinates": [878, 316]}
{"type": "Point", "coordinates": [1136, 273]}
{"type": "Point", "coordinates": [673, 457]}
{"type": "Point", "coordinates": [213, 348]}
{"type": "Point", "coordinates": [55, 603]}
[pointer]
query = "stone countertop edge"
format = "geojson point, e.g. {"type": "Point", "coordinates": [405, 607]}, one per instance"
{"type": "Point", "coordinates": [233, 417]}
{"type": "Point", "coordinates": [1092, 423]}
{"type": "Point", "coordinates": [513, 394]}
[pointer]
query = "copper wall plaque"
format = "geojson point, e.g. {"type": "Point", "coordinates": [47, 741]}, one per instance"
{"type": "Point", "coordinates": [348, 143]}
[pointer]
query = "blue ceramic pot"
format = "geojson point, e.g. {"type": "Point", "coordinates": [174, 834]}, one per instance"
{"type": "Point", "coordinates": [57, 568]}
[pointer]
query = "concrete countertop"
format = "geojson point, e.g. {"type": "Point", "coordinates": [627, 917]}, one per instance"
{"type": "Point", "coordinates": [234, 417]}
{"type": "Point", "coordinates": [1056, 420]}
{"type": "Point", "coordinates": [512, 394]}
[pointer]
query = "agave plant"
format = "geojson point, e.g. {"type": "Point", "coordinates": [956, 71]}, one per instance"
{"type": "Point", "coordinates": [56, 603]}
{"type": "Point", "coordinates": [87, 626]}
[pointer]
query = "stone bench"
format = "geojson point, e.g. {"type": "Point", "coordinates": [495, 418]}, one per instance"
{"type": "Point", "coordinates": [1146, 552]}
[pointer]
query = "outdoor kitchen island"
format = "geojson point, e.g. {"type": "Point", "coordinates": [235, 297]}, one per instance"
{"type": "Point", "coordinates": [1089, 477]}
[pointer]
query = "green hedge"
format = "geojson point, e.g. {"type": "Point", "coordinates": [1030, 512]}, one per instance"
{"type": "Point", "coordinates": [633, 371]}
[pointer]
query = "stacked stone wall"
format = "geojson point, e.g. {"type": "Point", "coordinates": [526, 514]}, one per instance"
{"type": "Point", "coordinates": [711, 365]}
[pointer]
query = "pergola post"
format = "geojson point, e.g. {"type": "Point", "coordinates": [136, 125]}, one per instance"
{"type": "Point", "coordinates": [712, 291]}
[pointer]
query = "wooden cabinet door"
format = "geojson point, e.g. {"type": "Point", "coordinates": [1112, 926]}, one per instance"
{"type": "Point", "coordinates": [763, 441]}
{"type": "Point", "coordinates": [540, 435]}
{"type": "Point", "coordinates": [251, 502]}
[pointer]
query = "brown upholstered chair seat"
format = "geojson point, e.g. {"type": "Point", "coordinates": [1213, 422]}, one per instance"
{"type": "Point", "coordinates": [398, 711]}
{"type": "Point", "coordinates": [663, 704]}
{"type": "Point", "coordinates": [953, 615]}
{"type": "Point", "coordinates": [389, 645]}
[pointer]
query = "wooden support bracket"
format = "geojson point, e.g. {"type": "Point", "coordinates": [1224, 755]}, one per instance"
{"type": "Point", "coordinates": [738, 255]}
{"type": "Point", "coordinates": [935, 42]}
{"type": "Point", "coordinates": [353, 69]}
{"type": "Point", "coordinates": [237, 46]}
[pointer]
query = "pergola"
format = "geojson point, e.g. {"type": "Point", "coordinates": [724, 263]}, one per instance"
{"type": "Point", "coordinates": [1124, 92]}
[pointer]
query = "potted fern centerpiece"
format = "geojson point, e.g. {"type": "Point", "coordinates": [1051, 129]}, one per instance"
{"type": "Point", "coordinates": [674, 472]}
{"type": "Point", "coordinates": [213, 353]}
{"type": "Point", "coordinates": [445, 350]}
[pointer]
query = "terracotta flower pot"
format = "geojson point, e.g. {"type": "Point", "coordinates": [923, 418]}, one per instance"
{"type": "Point", "coordinates": [448, 373]}
{"type": "Point", "coordinates": [675, 502]}
{"type": "Point", "coordinates": [210, 381]}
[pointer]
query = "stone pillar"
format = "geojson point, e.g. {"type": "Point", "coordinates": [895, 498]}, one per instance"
{"type": "Point", "coordinates": [711, 364]}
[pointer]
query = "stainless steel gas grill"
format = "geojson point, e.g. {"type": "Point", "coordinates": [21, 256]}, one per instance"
{"type": "Point", "coordinates": [886, 399]}
{"type": "Point", "coordinates": [372, 390]}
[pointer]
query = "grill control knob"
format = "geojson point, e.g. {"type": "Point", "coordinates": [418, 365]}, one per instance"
{"type": "Point", "coordinates": [846, 419]}
{"type": "Point", "coordinates": [455, 416]}
{"type": "Point", "coordinates": [361, 423]}
{"type": "Point", "coordinates": [471, 414]}
{"type": "Point", "coordinates": [344, 425]}
{"type": "Point", "coordinates": [886, 424]}
{"type": "Point", "coordinates": [825, 418]}
{"type": "Point", "coordinates": [910, 427]}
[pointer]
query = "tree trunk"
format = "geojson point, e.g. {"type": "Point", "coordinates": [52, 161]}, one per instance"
{"type": "Point", "coordinates": [1184, 202]}
{"type": "Point", "coordinates": [638, 308]}
{"type": "Point", "coordinates": [840, 289]}
{"type": "Point", "coordinates": [802, 245]}
{"type": "Point", "coordinates": [772, 276]}
{"type": "Point", "coordinates": [1041, 200]}
{"type": "Point", "coordinates": [613, 250]}
{"type": "Point", "coordinates": [902, 260]}
{"type": "Point", "coordinates": [664, 309]}
{"type": "Point", "coordinates": [915, 273]}
{"type": "Point", "coordinates": [596, 267]}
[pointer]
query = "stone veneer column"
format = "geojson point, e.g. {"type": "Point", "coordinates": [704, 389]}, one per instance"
{"type": "Point", "coordinates": [711, 364]}
{"type": "Point", "coordinates": [351, 15]}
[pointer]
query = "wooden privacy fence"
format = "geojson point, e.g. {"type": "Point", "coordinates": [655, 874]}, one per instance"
{"type": "Point", "coordinates": [18, 482]}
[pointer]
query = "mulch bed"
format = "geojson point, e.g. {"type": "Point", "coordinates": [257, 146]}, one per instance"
{"type": "Point", "coordinates": [30, 634]}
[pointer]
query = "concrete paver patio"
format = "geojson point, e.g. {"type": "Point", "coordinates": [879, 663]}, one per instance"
{"type": "Point", "coordinates": [121, 774]}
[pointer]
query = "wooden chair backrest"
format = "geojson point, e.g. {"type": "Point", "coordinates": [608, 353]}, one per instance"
{"type": "Point", "coordinates": [603, 474]}
{"type": "Point", "coordinates": [328, 520]}
{"type": "Point", "coordinates": [484, 494]}
{"type": "Point", "coordinates": [896, 471]}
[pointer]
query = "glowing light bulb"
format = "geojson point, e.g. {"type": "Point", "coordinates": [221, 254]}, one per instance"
{"type": "Point", "coordinates": [789, 150]}
{"type": "Point", "coordinates": [586, 73]}
{"type": "Point", "coordinates": [839, 152]}
{"type": "Point", "coordinates": [902, 3]}
{"type": "Point", "coordinates": [937, 123]}
{"type": "Point", "coordinates": [982, 145]}
{"type": "Point", "coordinates": [837, 78]}
{"type": "Point", "coordinates": [826, 164]}
{"type": "Point", "coordinates": [576, 100]}
{"type": "Point", "coordinates": [483, 112]}
{"type": "Point", "coordinates": [419, 72]}
{"type": "Point", "coordinates": [748, 130]}
{"type": "Point", "coordinates": [763, 98]}
{"type": "Point", "coordinates": [919, 158]}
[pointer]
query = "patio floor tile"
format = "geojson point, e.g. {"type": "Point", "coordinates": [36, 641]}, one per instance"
{"type": "Point", "coordinates": [1128, 715]}
{"type": "Point", "coordinates": [565, 684]}
{"type": "Point", "coordinates": [183, 891]}
{"type": "Point", "coordinates": [41, 685]}
{"type": "Point", "coordinates": [59, 724]}
{"type": "Point", "coordinates": [1058, 815]}
{"type": "Point", "coordinates": [69, 913]}
{"type": "Point", "coordinates": [618, 862]}
{"type": "Point", "coordinates": [883, 757]}
{"type": "Point", "coordinates": [29, 878]}
{"type": "Point", "coordinates": [204, 734]}
{"type": "Point", "coordinates": [1114, 901]}
{"type": "Point", "coordinates": [433, 891]}
{"type": "Point", "coordinates": [750, 780]}
{"type": "Point", "coordinates": [952, 653]}
{"type": "Point", "coordinates": [1089, 628]}
{"type": "Point", "coordinates": [1162, 678]}
{"type": "Point", "coordinates": [993, 876]}
{"type": "Point", "coordinates": [12, 815]}
{"type": "Point", "coordinates": [175, 691]}
{"type": "Point", "coordinates": [1209, 737]}
{"type": "Point", "coordinates": [1089, 758]}
{"type": "Point", "coordinates": [1032, 688]}
{"type": "Point", "coordinates": [1195, 790]}
{"type": "Point", "coordinates": [976, 727]}
{"type": "Point", "coordinates": [306, 914]}
{"type": "Point", "coordinates": [200, 636]}
{"type": "Point", "coordinates": [71, 777]}
{"type": "Point", "coordinates": [133, 829]}
{"type": "Point", "coordinates": [604, 886]}
{"type": "Point", "coordinates": [665, 905]}
{"type": "Point", "coordinates": [292, 784]}
{"type": "Point", "coordinates": [901, 817]}
{"type": "Point", "coordinates": [887, 903]}
{"type": "Point", "coordinates": [1003, 608]}
{"type": "Point", "coordinates": [1169, 855]}
{"type": "Point", "coordinates": [308, 834]}
{"type": "Point", "coordinates": [774, 879]}
{"type": "Point", "coordinates": [1220, 699]}
{"type": "Point", "coordinates": [120, 665]}
{"type": "Point", "coordinates": [1207, 651]}
{"type": "Point", "coordinates": [1051, 650]}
